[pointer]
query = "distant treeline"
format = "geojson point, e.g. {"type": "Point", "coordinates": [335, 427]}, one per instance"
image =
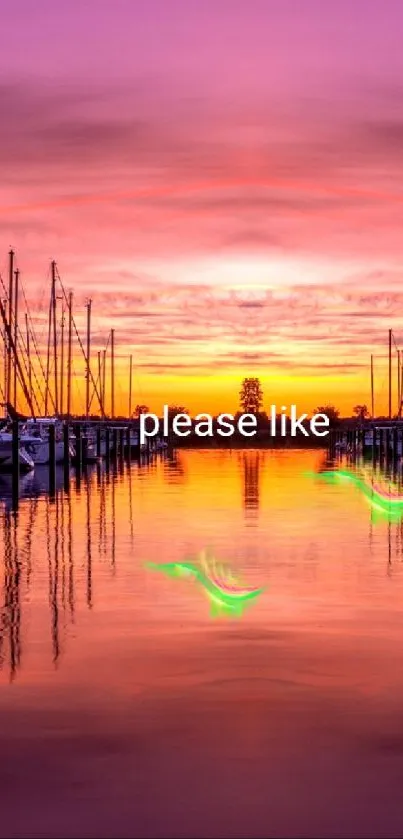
{"type": "Point", "coordinates": [261, 438]}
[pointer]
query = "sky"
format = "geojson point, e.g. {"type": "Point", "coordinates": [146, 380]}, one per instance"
{"type": "Point", "coordinates": [222, 179]}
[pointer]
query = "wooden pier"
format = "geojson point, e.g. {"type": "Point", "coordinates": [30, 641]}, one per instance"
{"type": "Point", "coordinates": [112, 441]}
{"type": "Point", "coordinates": [378, 440]}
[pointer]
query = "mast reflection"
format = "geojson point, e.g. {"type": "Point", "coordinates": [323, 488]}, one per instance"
{"type": "Point", "coordinates": [50, 521]}
{"type": "Point", "coordinates": [10, 630]}
{"type": "Point", "coordinates": [381, 487]}
{"type": "Point", "coordinates": [251, 465]}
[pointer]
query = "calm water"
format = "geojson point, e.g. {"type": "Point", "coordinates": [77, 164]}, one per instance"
{"type": "Point", "coordinates": [127, 709]}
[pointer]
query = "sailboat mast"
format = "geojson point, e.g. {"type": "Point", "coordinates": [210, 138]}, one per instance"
{"type": "Point", "coordinates": [16, 292]}
{"type": "Point", "coordinates": [28, 354]}
{"type": "Point", "coordinates": [401, 388]}
{"type": "Point", "coordinates": [69, 351]}
{"type": "Point", "coordinates": [5, 358]}
{"type": "Point", "coordinates": [88, 370]}
{"type": "Point", "coordinates": [100, 383]}
{"type": "Point", "coordinates": [9, 333]}
{"type": "Point", "coordinates": [10, 320]}
{"type": "Point", "coordinates": [372, 388]}
{"type": "Point", "coordinates": [130, 386]}
{"type": "Point", "coordinates": [62, 361]}
{"type": "Point", "coordinates": [112, 373]}
{"type": "Point", "coordinates": [56, 383]}
{"type": "Point", "coordinates": [48, 347]}
{"type": "Point", "coordinates": [104, 381]}
{"type": "Point", "coordinates": [390, 374]}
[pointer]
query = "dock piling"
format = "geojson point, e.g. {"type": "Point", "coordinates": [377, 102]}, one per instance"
{"type": "Point", "coordinates": [98, 442]}
{"type": "Point", "coordinates": [107, 447]}
{"type": "Point", "coordinates": [15, 464]}
{"type": "Point", "coordinates": [115, 444]}
{"type": "Point", "coordinates": [128, 444]}
{"type": "Point", "coordinates": [66, 456]}
{"type": "Point", "coordinates": [52, 461]}
{"type": "Point", "coordinates": [79, 449]}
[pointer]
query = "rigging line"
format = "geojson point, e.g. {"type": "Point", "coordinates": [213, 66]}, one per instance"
{"type": "Point", "coordinates": [16, 359]}
{"type": "Point", "coordinates": [38, 355]}
{"type": "Point", "coordinates": [99, 381]}
{"type": "Point", "coordinates": [21, 379]}
{"type": "Point", "coordinates": [19, 335]}
{"type": "Point", "coordinates": [79, 339]}
{"type": "Point", "coordinates": [25, 357]}
{"type": "Point", "coordinates": [33, 336]}
{"type": "Point", "coordinates": [93, 394]}
{"type": "Point", "coordinates": [42, 327]}
{"type": "Point", "coordinates": [394, 341]}
{"type": "Point", "coordinates": [2, 394]}
{"type": "Point", "coordinates": [34, 341]}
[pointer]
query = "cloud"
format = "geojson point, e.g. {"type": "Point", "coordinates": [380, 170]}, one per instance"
{"type": "Point", "coordinates": [106, 179]}
{"type": "Point", "coordinates": [182, 329]}
{"type": "Point", "coordinates": [95, 176]}
{"type": "Point", "coordinates": [383, 138]}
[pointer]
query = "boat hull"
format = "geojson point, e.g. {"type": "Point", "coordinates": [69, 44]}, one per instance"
{"type": "Point", "coordinates": [39, 450]}
{"type": "Point", "coordinates": [25, 461]}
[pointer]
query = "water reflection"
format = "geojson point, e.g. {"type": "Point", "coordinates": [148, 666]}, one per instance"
{"type": "Point", "coordinates": [380, 485]}
{"type": "Point", "coordinates": [227, 594]}
{"type": "Point", "coordinates": [251, 467]}
{"type": "Point", "coordinates": [32, 485]}
{"type": "Point", "coordinates": [48, 519]}
{"type": "Point", "coordinates": [10, 632]}
{"type": "Point", "coordinates": [89, 543]}
{"type": "Point", "coordinates": [174, 466]}
{"type": "Point", "coordinates": [82, 551]}
{"type": "Point", "coordinates": [381, 488]}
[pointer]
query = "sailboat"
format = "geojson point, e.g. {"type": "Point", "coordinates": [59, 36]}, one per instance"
{"type": "Point", "coordinates": [26, 462]}
{"type": "Point", "coordinates": [35, 439]}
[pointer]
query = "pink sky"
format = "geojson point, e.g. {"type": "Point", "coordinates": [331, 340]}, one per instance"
{"type": "Point", "coordinates": [224, 179]}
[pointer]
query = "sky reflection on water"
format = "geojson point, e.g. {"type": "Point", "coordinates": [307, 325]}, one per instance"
{"type": "Point", "coordinates": [268, 515]}
{"type": "Point", "coordinates": [125, 710]}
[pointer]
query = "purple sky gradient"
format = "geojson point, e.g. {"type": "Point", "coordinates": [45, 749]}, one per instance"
{"type": "Point", "coordinates": [206, 149]}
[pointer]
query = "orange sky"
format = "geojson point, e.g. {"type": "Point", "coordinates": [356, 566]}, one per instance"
{"type": "Point", "coordinates": [193, 342]}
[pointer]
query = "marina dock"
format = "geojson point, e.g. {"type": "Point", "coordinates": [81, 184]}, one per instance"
{"type": "Point", "coordinates": [74, 445]}
{"type": "Point", "coordinates": [379, 440]}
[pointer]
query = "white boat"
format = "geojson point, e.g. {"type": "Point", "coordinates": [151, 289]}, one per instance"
{"type": "Point", "coordinates": [35, 440]}
{"type": "Point", "coordinates": [88, 448]}
{"type": "Point", "coordinates": [38, 449]}
{"type": "Point", "coordinates": [26, 462]}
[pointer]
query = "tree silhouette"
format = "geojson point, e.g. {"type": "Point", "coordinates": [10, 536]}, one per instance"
{"type": "Point", "coordinates": [330, 411]}
{"type": "Point", "coordinates": [173, 410]}
{"type": "Point", "coordinates": [361, 411]}
{"type": "Point", "coordinates": [141, 409]}
{"type": "Point", "coordinates": [251, 396]}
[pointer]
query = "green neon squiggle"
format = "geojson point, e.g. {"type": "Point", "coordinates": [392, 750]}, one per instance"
{"type": "Point", "coordinates": [226, 595]}
{"type": "Point", "coordinates": [391, 505]}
